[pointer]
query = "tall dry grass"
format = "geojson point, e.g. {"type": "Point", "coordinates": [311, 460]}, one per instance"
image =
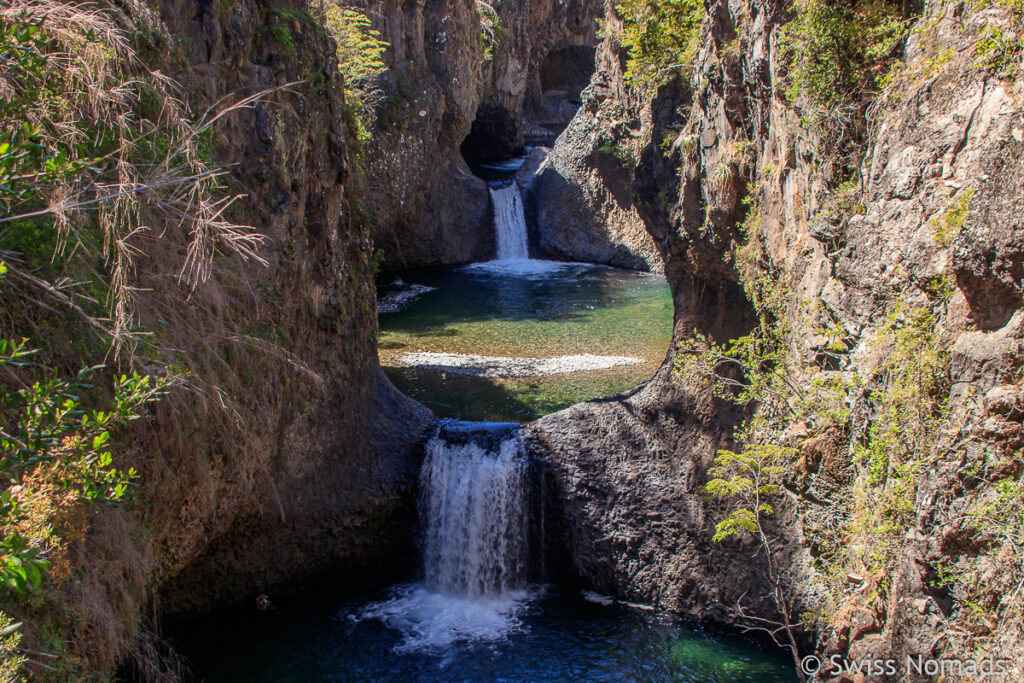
{"type": "Point", "coordinates": [152, 179]}
{"type": "Point", "coordinates": [145, 209]}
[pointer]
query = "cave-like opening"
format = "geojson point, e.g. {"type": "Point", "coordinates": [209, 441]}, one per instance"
{"type": "Point", "coordinates": [508, 125]}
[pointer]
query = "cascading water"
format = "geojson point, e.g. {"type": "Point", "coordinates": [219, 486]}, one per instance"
{"type": "Point", "coordinates": [509, 223]}
{"type": "Point", "coordinates": [475, 548]}
{"type": "Point", "coordinates": [475, 516]}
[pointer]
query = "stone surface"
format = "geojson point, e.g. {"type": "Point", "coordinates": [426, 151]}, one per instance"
{"type": "Point", "coordinates": [425, 205]}
{"type": "Point", "coordinates": [285, 456]}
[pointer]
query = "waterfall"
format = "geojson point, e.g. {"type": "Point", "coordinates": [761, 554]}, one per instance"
{"type": "Point", "coordinates": [474, 512]}
{"type": "Point", "coordinates": [509, 223]}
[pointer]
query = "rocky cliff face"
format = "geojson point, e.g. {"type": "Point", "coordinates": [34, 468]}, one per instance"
{"type": "Point", "coordinates": [929, 228]}
{"type": "Point", "coordinates": [580, 200]}
{"type": "Point", "coordinates": [324, 468]}
{"type": "Point", "coordinates": [307, 455]}
{"type": "Point", "coordinates": [284, 455]}
{"type": "Point", "coordinates": [426, 206]}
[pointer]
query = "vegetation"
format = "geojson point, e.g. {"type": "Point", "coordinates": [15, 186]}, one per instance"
{"type": "Point", "coordinates": [56, 445]}
{"type": "Point", "coordinates": [104, 174]}
{"type": "Point", "coordinates": [620, 150]}
{"type": "Point", "coordinates": [839, 54]}
{"type": "Point", "coordinates": [360, 51]}
{"type": "Point", "coordinates": [491, 32]}
{"type": "Point", "coordinates": [946, 227]}
{"type": "Point", "coordinates": [748, 481]}
{"type": "Point", "coordinates": [877, 474]}
{"type": "Point", "coordinates": [999, 51]}
{"type": "Point", "coordinates": [660, 37]}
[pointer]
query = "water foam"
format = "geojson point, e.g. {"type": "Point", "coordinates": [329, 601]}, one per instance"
{"type": "Point", "coordinates": [432, 621]}
{"type": "Point", "coordinates": [474, 511]}
{"type": "Point", "coordinates": [509, 223]}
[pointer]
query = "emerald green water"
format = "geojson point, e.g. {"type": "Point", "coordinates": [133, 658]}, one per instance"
{"type": "Point", "coordinates": [526, 309]}
{"type": "Point", "coordinates": [554, 638]}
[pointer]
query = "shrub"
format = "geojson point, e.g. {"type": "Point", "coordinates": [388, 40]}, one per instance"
{"type": "Point", "coordinates": [660, 37]}
{"type": "Point", "coordinates": [838, 54]}
{"type": "Point", "coordinates": [95, 149]}
{"type": "Point", "coordinates": [360, 52]}
{"type": "Point", "coordinates": [55, 455]}
{"type": "Point", "coordinates": [491, 31]}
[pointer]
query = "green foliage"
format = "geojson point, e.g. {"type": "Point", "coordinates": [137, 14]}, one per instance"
{"type": "Point", "coordinates": [618, 150]}
{"type": "Point", "coordinates": [283, 37]}
{"type": "Point", "coordinates": [11, 659]}
{"type": "Point", "coordinates": [360, 51]}
{"type": "Point", "coordinates": [946, 227]}
{"type": "Point", "coordinates": [842, 202]}
{"type": "Point", "coordinates": [998, 51]}
{"type": "Point", "coordinates": [86, 131]}
{"type": "Point", "coordinates": [910, 390]}
{"type": "Point", "coordinates": [838, 53]}
{"type": "Point", "coordinates": [55, 453]}
{"type": "Point", "coordinates": [30, 161]}
{"type": "Point", "coordinates": [491, 31]}
{"type": "Point", "coordinates": [749, 369]}
{"type": "Point", "coordinates": [660, 37]}
{"type": "Point", "coordinates": [747, 480]}
{"type": "Point", "coordinates": [1003, 514]}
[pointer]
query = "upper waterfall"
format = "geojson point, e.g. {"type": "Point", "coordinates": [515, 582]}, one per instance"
{"type": "Point", "coordinates": [509, 223]}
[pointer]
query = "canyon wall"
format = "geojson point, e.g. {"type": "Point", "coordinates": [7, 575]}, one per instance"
{"type": "Point", "coordinates": [425, 205]}
{"type": "Point", "coordinates": [282, 455]}
{"type": "Point", "coordinates": [286, 456]}
{"type": "Point", "coordinates": [629, 471]}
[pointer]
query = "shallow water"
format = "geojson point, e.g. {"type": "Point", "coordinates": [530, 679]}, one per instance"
{"type": "Point", "coordinates": [411, 634]}
{"type": "Point", "coordinates": [526, 309]}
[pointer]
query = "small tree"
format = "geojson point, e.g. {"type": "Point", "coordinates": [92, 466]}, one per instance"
{"type": "Point", "coordinates": [360, 51]}
{"type": "Point", "coordinates": [747, 481]}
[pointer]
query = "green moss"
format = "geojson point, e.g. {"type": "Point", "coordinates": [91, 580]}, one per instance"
{"type": "Point", "coordinates": [950, 223]}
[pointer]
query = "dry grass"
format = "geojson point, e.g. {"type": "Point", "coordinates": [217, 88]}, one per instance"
{"type": "Point", "coordinates": [162, 215]}
{"type": "Point", "coordinates": [174, 194]}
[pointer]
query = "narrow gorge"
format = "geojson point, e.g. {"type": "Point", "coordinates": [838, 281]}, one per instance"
{"type": "Point", "coordinates": [520, 340]}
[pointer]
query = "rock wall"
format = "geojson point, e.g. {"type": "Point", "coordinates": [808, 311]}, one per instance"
{"type": "Point", "coordinates": [283, 455]}
{"type": "Point", "coordinates": [579, 201]}
{"type": "Point", "coordinates": [425, 205]}
{"type": "Point", "coordinates": [950, 125]}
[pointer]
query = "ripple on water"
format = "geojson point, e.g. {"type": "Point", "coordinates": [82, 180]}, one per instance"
{"type": "Point", "coordinates": [411, 635]}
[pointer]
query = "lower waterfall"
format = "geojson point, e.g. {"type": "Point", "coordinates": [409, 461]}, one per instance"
{"type": "Point", "coordinates": [509, 223]}
{"type": "Point", "coordinates": [474, 513]}
{"type": "Point", "coordinates": [475, 518]}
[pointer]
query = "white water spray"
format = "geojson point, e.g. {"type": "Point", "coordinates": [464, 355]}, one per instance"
{"type": "Point", "coordinates": [474, 512]}
{"type": "Point", "coordinates": [475, 552]}
{"type": "Point", "coordinates": [509, 223]}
